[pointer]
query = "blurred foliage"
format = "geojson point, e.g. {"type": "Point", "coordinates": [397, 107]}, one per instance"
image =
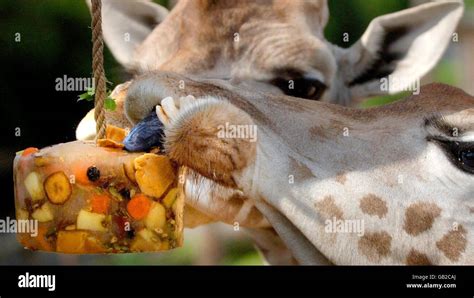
{"type": "Point", "coordinates": [353, 17]}
{"type": "Point", "coordinates": [469, 4]}
{"type": "Point", "coordinates": [162, 2]}
{"type": "Point", "coordinates": [382, 100]}
{"type": "Point", "coordinates": [446, 72]}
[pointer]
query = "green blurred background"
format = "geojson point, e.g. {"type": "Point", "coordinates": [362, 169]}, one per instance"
{"type": "Point", "coordinates": [55, 41]}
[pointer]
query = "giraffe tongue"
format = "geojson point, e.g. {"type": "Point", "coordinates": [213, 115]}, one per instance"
{"type": "Point", "coordinates": [146, 134]}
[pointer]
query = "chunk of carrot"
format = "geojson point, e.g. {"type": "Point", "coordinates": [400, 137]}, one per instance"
{"type": "Point", "coordinates": [100, 203]}
{"type": "Point", "coordinates": [29, 151]}
{"type": "Point", "coordinates": [139, 206]}
{"type": "Point", "coordinates": [80, 173]}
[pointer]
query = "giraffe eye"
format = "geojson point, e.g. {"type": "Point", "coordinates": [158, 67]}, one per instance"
{"type": "Point", "coordinates": [300, 87]}
{"type": "Point", "coordinates": [467, 158]}
{"type": "Point", "coordinates": [460, 153]}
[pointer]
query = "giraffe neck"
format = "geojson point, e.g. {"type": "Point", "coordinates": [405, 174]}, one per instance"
{"type": "Point", "coordinates": [360, 207]}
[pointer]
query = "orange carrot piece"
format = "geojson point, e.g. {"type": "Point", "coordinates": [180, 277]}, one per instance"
{"type": "Point", "coordinates": [29, 151]}
{"type": "Point", "coordinates": [139, 206]}
{"type": "Point", "coordinates": [115, 133]}
{"type": "Point", "coordinates": [80, 173]}
{"type": "Point", "coordinates": [100, 203]}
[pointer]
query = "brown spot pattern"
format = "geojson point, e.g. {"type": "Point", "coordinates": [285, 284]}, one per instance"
{"type": "Point", "coordinates": [419, 217]}
{"type": "Point", "coordinates": [318, 132]}
{"type": "Point", "coordinates": [453, 244]}
{"type": "Point", "coordinates": [300, 171]}
{"type": "Point", "coordinates": [375, 245]}
{"type": "Point", "coordinates": [416, 257]}
{"type": "Point", "coordinates": [373, 205]}
{"type": "Point", "coordinates": [328, 208]}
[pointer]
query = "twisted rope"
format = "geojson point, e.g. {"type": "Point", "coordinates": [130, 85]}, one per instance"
{"type": "Point", "coordinates": [98, 68]}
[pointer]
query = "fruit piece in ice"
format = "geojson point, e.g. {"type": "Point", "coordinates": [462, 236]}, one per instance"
{"type": "Point", "coordinates": [78, 242]}
{"type": "Point", "coordinates": [93, 173]}
{"type": "Point", "coordinates": [154, 174]}
{"type": "Point", "coordinates": [170, 197]}
{"type": "Point", "coordinates": [129, 169]}
{"type": "Point", "coordinates": [139, 206]}
{"type": "Point", "coordinates": [156, 218]}
{"type": "Point", "coordinates": [29, 151]}
{"type": "Point", "coordinates": [41, 161]}
{"type": "Point", "coordinates": [80, 172]}
{"type": "Point", "coordinates": [22, 214]}
{"type": "Point", "coordinates": [145, 240]}
{"type": "Point", "coordinates": [41, 241]}
{"type": "Point", "coordinates": [93, 245]}
{"type": "Point", "coordinates": [71, 241]}
{"type": "Point", "coordinates": [109, 144]}
{"type": "Point", "coordinates": [43, 213]}
{"type": "Point", "coordinates": [57, 187]}
{"type": "Point", "coordinates": [100, 203]}
{"type": "Point", "coordinates": [115, 133]}
{"type": "Point", "coordinates": [34, 186]}
{"type": "Point", "coordinates": [90, 221]}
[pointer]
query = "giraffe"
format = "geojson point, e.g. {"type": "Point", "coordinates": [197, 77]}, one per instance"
{"type": "Point", "coordinates": [274, 45]}
{"type": "Point", "coordinates": [190, 40]}
{"type": "Point", "coordinates": [404, 171]}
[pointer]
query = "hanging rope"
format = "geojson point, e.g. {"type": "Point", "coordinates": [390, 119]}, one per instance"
{"type": "Point", "coordinates": [98, 68]}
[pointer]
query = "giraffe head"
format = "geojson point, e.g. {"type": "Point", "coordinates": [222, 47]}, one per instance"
{"type": "Point", "coordinates": [387, 185]}
{"type": "Point", "coordinates": [274, 46]}
{"type": "Point", "coordinates": [279, 43]}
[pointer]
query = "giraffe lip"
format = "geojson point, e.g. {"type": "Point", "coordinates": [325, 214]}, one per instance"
{"type": "Point", "coordinates": [145, 134]}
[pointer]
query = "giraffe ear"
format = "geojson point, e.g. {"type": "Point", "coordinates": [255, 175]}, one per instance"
{"type": "Point", "coordinates": [405, 45]}
{"type": "Point", "coordinates": [126, 24]}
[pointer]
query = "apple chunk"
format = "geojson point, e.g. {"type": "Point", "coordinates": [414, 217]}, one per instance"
{"type": "Point", "coordinates": [90, 221]}
{"type": "Point", "coordinates": [156, 218]}
{"type": "Point", "coordinates": [34, 186]}
{"type": "Point", "coordinates": [44, 213]}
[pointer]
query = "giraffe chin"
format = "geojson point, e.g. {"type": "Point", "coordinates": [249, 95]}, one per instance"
{"type": "Point", "coordinates": [145, 134]}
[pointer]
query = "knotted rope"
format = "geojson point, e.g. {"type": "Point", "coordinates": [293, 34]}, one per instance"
{"type": "Point", "coordinates": [98, 68]}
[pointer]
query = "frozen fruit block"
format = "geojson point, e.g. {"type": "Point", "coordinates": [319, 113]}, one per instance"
{"type": "Point", "coordinates": [92, 199]}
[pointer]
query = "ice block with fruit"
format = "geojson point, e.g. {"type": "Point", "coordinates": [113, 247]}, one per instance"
{"type": "Point", "coordinates": [90, 197]}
